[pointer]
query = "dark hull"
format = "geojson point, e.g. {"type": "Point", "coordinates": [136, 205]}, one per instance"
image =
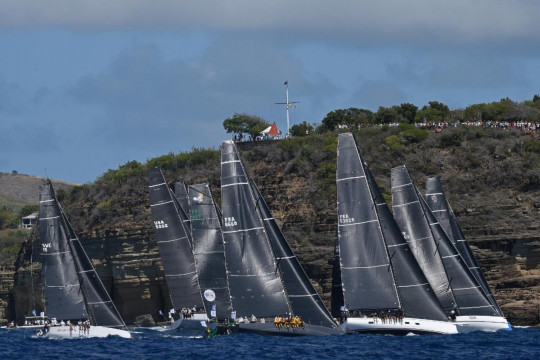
{"type": "Point", "coordinates": [271, 329]}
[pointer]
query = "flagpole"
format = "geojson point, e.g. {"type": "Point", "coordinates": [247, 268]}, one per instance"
{"type": "Point", "coordinates": [287, 91]}
{"type": "Point", "coordinates": [287, 105]}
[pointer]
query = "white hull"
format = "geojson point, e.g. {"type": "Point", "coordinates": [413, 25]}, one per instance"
{"type": "Point", "coordinates": [408, 325]}
{"type": "Point", "coordinates": [58, 332]}
{"type": "Point", "coordinates": [467, 324]}
{"type": "Point", "coordinates": [197, 324]}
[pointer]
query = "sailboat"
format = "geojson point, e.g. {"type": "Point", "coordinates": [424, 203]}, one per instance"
{"type": "Point", "coordinates": [209, 252]}
{"type": "Point", "coordinates": [457, 289]}
{"type": "Point", "coordinates": [270, 292]}
{"type": "Point", "coordinates": [74, 294]}
{"type": "Point", "coordinates": [441, 209]}
{"type": "Point", "coordinates": [383, 287]}
{"type": "Point", "coordinates": [175, 249]}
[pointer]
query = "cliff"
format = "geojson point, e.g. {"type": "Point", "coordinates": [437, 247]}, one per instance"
{"type": "Point", "coordinates": [492, 181]}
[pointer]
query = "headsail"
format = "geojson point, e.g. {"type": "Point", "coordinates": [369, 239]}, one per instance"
{"type": "Point", "coordinates": [409, 216]}
{"type": "Point", "coordinates": [442, 210]}
{"type": "Point", "coordinates": [417, 296]}
{"type": "Point", "coordinates": [209, 251]}
{"type": "Point", "coordinates": [303, 298]}
{"type": "Point", "coordinates": [336, 302]}
{"type": "Point", "coordinates": [471, 299]}
{"type": "Point", "coordinates": [173, 244]}
{"type": "Point", "coordinates": [469, 296]}
{"type": "Point", "coordinates": [254, 279]}
{"type": "Point", "coordinates": [75, 270]}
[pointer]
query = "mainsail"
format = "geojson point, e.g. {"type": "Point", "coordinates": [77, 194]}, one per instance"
{"type": "Point", "coordinates": [173, 244]}
{"type": "Point", "coordinates": [367, 275]}
{"type": "Point", "coordinates": [255, 284]}
{"type": "Point", "coordinates": [409, 216]}
{"type": "Point", "coordinates": [208, 251]}
{"type": "Point", "coordinates": [415, 294]}
{"type": "Point", "coordinates": [303, 298]}
{"type": "Point", "coordinates": [442, 210]}
{"type": "Point", "coordinates": [469, 296]}
{"type": "Point", "coordinates": [72, 287]}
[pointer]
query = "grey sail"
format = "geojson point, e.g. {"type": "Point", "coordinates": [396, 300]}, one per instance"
{"type": "Point", "coordinates": [254, 280]}
{"type": "Point", "coordinates": [181, 194]}
{"type": "Point", "coordinates": [442, 210]}
{"type": "Point", "coordinates": [417, 299]}
{"type": "Point", "coordinates": [63, 292]}
{"type": "Point", "coordinates": [99, 305]}
{"type": "Point", "coordinates": [303, 299]}
{"type": "Point", "coordinates": [208, 250]}
{"type": "Point", "coordinates": [417, 296]}
{"type": "Point", "coordinates": [470, 298]}
{"type": "Point", "coordinates": [65, 261]}
{"type": "Point", "coordinates": [173, 244]}
{"type": "Point", "coordinates": [367, 275]}
{"type": "Point", "coordinates": [409, 216]}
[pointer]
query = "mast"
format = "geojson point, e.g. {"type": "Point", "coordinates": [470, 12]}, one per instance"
{"type": "Point", "coordinates": [303, 299]}
{"type": "Point", "coordinates": [173, 244]}
{"type": "Point", "coordinates": [208, 250]}
{"type": "Point", "coordinates": [442, 210]}
{"type": "Point", "coordinates": [255, 283]}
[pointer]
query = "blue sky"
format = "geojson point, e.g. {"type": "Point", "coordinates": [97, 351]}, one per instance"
{"type": "Point", "coordinates": [87, 85]}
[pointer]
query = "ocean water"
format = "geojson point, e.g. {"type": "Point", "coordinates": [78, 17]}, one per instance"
{"type": "Point", "coordinates": [522, 343]}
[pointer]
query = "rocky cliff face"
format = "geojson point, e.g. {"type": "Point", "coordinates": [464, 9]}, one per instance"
{"type": "Point", "coordinates": [127, 262]}
{"type": "Point", "coordinates": [500, 221]}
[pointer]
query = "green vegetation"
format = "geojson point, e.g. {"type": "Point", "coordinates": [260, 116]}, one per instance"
{"type": "Point", "coordinates": [245, 124]}
{"type": "Point", "coordinates": [10, 244]}
{"type": "Point", "coordinates": [504, 110]}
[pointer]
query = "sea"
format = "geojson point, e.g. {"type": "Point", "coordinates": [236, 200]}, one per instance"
{"type": "Point", "coordinates": [521, 343]}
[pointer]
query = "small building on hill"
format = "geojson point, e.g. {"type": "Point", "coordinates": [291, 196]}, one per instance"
{"type": "Point", "coordinates": [29, 221]}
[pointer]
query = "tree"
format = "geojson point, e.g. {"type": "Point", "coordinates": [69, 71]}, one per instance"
{"type": "Point", "coordinates": [302, 129]}
{"type": "Point", "coordinates": [351, 117]}
{"type": "Point", "coordinates": [436, 112]}
{"type": "Point", "coordinates": [408, 111]}
{"type": "Point", "coordinates": [245, 124]}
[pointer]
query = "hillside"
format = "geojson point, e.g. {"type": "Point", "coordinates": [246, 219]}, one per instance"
{"type": "Point", "coordinates": [491, 177]}
{"type": "Point", "coordinates": [17, 190]}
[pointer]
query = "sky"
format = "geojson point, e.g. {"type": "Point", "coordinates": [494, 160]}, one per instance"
{"type": "Point", "coordinates": [88, 85]}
